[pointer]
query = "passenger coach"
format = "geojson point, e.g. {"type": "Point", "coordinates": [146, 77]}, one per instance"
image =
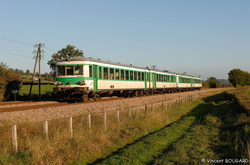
{"type": "Point", "coordinates": [79, 78]}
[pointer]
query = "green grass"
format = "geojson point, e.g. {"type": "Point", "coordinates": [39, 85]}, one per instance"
{"type": "Point", "coordinates": [186, 133]}
{"type": "Point", "coordinates": [146, 149]}
{"type": "Point", "coordinates": [205, 133]}
{"type": "Point", "coordinates": [248, 92]}
{"type": "Point", "coordinates": [44, 89]}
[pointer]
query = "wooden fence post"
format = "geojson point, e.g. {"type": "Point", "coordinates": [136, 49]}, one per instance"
{"type": "Point", "coordinates": [118, 116]}
{"type": "Point", "coordinates": [14, 138]}
{"type": "Point", "coordinates": [46, 129]}
{"type": "Point", "coordinates": [130, 113]}
{"type": "Point", "coordinates": [89, 122]}
{"type": "Point", "coordinates": [71, 126]}
{"type": "Point", "coordinates": [105, 120]}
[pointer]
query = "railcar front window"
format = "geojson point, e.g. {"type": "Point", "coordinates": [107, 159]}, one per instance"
{"type": "Point", "coordinates": [69, 70]}
{"type": "Point", "coordinates": [61, 70]}
{"type": "Point", "coordinates": [79, 70]}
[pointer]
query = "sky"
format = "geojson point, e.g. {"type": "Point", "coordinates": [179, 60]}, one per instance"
{"type": "Point", "coordinates": [200, 37]}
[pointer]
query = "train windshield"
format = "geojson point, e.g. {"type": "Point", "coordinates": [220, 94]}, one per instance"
{"type": "Point", "coordinates": [69, 70]}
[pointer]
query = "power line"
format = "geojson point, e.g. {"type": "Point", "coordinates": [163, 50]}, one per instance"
{"type": "Point", "coordinates": [15, 41]}
{"type": "Point", "coordinates": [14, 54]}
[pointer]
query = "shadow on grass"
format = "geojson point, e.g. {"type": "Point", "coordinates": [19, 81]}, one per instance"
{"type": "Point", "coordinates": [216, 105]}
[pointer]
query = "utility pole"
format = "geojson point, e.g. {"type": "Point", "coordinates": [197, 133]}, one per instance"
{"type": "Point", "coordinates": [37, 60]}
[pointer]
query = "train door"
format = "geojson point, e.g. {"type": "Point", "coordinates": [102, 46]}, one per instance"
{"type": "Point", "coordinates": [95, 78]}
{"type": "Point", "coordinates": [154, 80]}
{"type": "Point", "coordinates": [145, 80]}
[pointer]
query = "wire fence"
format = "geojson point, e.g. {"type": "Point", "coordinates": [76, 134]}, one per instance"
{"type": "Point", "coordinates": [87, 123]}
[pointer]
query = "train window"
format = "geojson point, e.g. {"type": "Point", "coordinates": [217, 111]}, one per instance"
{"type": "Point", "coordinates": [90, 71]}
{"type": "Point", "coordinates": [142, 76]}
{"type": "Point", "coordinates": [131, 75]}
{"type": "Point", "coordinates": [135, 75]}
{"type": "Point", "coordinates": [117, 74]}
{"type": "Point", "coordinates": [106, 73]}
{"type": "Point", "coordinates": [122, 74]}
{"type": "Point", "coordinates": [100, 72]}
{"type": "Point", "coordinates": [69, 70]}
{"type": "Point", "coordinates": [61, 70]}
{"type": "Point", "coordinates": [139, 76]}
{"type": "Point", "coordinates": [79, 70]}
{"type": "Point", "coordinates": [127, 75]}
{"type": "Point", "coordinates": [111, 73]}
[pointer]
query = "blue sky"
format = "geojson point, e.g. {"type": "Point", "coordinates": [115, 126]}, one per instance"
{"type": "Point", "coordinates": [207, 38]}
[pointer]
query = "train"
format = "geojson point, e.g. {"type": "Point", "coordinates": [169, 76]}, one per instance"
{"type": "Point", "coordinates": [82, 78]}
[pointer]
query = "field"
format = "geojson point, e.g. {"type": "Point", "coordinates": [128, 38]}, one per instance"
{"type": "Point", "coordinates": [201, 131]}
{"type": "Point", "coordinates": [44, 89]}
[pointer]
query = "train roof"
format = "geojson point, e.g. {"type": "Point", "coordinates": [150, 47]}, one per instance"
{"type": "Point", "coordinates": [118, 64]}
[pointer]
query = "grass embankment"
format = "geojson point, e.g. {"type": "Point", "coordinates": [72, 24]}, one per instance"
{"type": "Point", "coordinates": [186, 133]}
{"type": "Point", "coordinates": [209, 132]}
{"type": "Point", "coordinates": [85, 147]}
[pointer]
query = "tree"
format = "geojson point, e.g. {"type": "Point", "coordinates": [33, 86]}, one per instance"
{"type": "Point", "coordinates": [239, 77]}
{"type": "Point", "coordinates": [27, 72]}
{"type": "Point", "coordinates": [214, 83]}
{"type": "Point", "coordinates": [9, 80]}
{"type": "Point", "coordinates": [69, 51]}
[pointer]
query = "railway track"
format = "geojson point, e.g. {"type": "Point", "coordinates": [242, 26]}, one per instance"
{"type": "Point", "coordinates": [23, 106]}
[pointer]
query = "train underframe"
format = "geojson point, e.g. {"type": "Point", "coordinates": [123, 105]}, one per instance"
{"type": "Point", "coordinates": [83, 94]}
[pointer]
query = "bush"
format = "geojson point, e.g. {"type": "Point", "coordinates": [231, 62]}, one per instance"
{"type": "Point", "coordinates": [9, 80]}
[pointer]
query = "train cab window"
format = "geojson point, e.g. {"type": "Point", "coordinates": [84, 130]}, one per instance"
{"type": "Point", "coordinates": [69, 70]}
{"type": "Point", "coordinates": [100, 73]}
{"type": "Point", "coordinates": [122, 75]}
{"type": "Point", "coordinates": [111, 73]}
{"type": "Point", "coordinates": [79, 70]}
{"type": "Point", "coordinates": [117, 74]}
{"type": "Point", "coordinates": [106, 73]}
{"type": "Point", "coordinates": [90, 71]}
{"type": "Point", "coordinates": [131, 75]}
{"type": "Point", "coordinates": [61, 70]}
{"type": "Point", "coordinates": [127, 75]}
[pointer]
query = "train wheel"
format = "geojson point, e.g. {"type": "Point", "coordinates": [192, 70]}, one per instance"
{"type": "Point", "coordinates": [85, 97]}
{"type": "Point", "coordinates": [96, 96]}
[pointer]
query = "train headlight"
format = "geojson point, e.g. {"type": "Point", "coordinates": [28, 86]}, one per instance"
{"type": "Point", "coordinates": [81, 83]}
{"type": "Point", "coordinates": [57, 83]}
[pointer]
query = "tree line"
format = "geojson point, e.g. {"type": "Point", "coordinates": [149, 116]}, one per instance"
{"type": "Point", "coordinates": [45, 77]}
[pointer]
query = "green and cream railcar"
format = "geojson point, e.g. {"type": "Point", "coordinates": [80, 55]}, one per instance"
{"type": "Point", "coordinates": [80, 78]}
